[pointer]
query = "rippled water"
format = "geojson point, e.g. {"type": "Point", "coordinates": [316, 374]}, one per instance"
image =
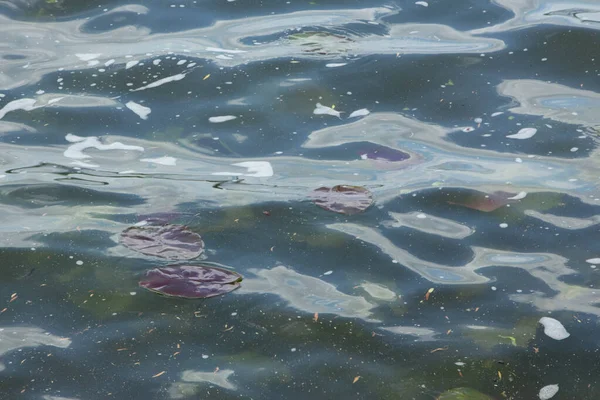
{"type": "Point", "coordinates": [224, 116]}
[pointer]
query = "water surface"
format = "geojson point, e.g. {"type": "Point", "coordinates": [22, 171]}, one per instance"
{"type": "Point", "coordinates": [203, 113]}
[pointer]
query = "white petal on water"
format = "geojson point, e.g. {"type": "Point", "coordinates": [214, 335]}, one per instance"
{"type": "Point", "coordinates": [220, 50]}
{"type": "Point", "coordinates": [593, 261]}
{"type": "Point", "coordinates": [359, 113]}
{"type": "Point", "coordinates": [468, 129]}
{"type": "Point", "coordinates": [548, 392]}
{"type": "Point", "coordinates": [335, 65]}
{"type": "Point", "coordinates": [328, 273]}
{"type": "Point", "coordinates": [422, 3]}
{"type": "Point", "coordinates": [497, 113]}
{"type": "Point", "coordinates": [88, 56]}
{"type": "Point", "coordinates": [478, 120]}
{"type": "Point", "coordinates": [21, 104]}
{"type": "Point", "coordinates": [109, 62]}
{"type": "Point", "coordinates": [82, 143]}
{"type": "Point", "coordinates": [170, 161]}
{"type": "Point", "coordinates": [258, 169]}
{"type": "Point", "coordinates": [524, 133]}
{"type": "Point", "coordinates": [554, 329]}
{"type": "Point", "coordinates": [131, 64]}
{"type": "Point", "coordinates": [324, 110]}
{"type": "Point", "coordinates": [139, 109]}
{"type": "Point", "coordinates": [221, 118]}
{"type": "Point", "coordinates": [518, 196]}
{"type": "Point", "coordinates": [160, 82]}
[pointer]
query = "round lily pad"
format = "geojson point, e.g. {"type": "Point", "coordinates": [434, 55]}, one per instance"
{"type": "Point", "coordinates": [174, 242]}
{"type": "Point", "coordinates": [343, 199]}
{"type": "Point", "coordinates": [191, 281]}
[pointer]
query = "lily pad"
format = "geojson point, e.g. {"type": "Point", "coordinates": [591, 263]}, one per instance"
{"type": "Point", "coordinates": [463, 393]}
{"type": "Point", "coordinates": [174, 242]}
{"type": "Point", "coordinates": [191, 281]}
{"type": "Point", "coordinates": [485, 202]}
{"type": "Point", "coordinates": [343, 199]}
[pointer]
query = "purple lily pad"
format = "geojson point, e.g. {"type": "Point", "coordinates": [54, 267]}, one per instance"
{"type": "Point", "coordinates": [343, 199]}
{"type": "Point", "coordinates": [174, 242]}
{"type": "Point", "coordinates": [191, 281]}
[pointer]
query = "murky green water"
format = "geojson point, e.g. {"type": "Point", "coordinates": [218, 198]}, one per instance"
{"type": "Point", "coordinates": [474, 125]}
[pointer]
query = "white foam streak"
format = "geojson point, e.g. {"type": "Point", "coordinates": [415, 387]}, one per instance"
{"type": "Point", "coordinates": [170, 161]}
{"type": "Point", "coordinates": [21, 104]}
{"type": "Point", "coordinates": [80, 144]}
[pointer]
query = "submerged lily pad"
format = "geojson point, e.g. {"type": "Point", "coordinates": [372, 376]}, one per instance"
{"type": "Point", "coordinates": [485, 202]}
{"type": "Point", "coordinates": [343, 199]}
{"type": "Point", "coordinates": [463, 393]}
{"type": "Point", "coordinates": [191, 281]}
{"type": "Point", "coordinates": [174, 242]}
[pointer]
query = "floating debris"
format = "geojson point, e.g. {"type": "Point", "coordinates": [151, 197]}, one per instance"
{"type": "Point", "coordinates": [554, 329]}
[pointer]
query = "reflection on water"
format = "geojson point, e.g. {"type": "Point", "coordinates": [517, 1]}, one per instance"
{"type": "Point", "coordinates": [473, 124]}
{"type": "Point", "coordinates": [306, 293]}
{"type": "Point", "coordinates": [18, 337]}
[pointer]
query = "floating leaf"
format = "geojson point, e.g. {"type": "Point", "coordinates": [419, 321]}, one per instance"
{"type": "Point", "coordinates": [221, 118]}
{"type": "Point", "coordinates": [320, 109]}
{"type": "Point", "coordinates": [554, 328]}
{"type": "Point", "coordinates": [343, 199]}
{"type": "Point", "coordinates": [524, 133]}
{"type": "Point", "coordinates": [463, 394]}
{"type": "Point", "coordinates": [428, 293]}
{"type": "Point", "coordinates": [512, 339]}
{"type": "Point", "coordinates": [191, 281]}
{"type": "Point", "coordinates": [359, 113]}
{"type": "Point", "coordinates": [548, 392]}
{"type": "Point", "coordinates": [174, 242]}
